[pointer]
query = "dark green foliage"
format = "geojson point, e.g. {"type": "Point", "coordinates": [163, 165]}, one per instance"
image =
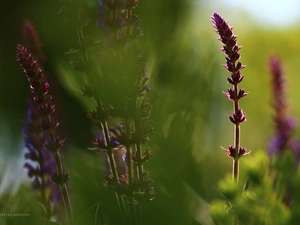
{"type": "Point", "coordinates": [268, 197]}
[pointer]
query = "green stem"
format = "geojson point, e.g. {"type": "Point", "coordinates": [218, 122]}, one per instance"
{"type": "Point", "coordinates": [132, 213]}
{"type": "Point", "coordinates": [129, 17]}
{"type": "Point", "coordinates": [110, 153]}
{"type": "Point", "coordinates": [129, 154]}
{"type": "Point", "coordinates": [140, 178]}
{"type": "Point", "coordinates": [235, 170]}
{"type": "Point", "coordinates": [237, 131]}
{"type": "Point", "coordinates": [60, 173]}
{"type": "Point", "coordinates": [44, 200]}
{"type": "Point", "coordinates": [140, 168]}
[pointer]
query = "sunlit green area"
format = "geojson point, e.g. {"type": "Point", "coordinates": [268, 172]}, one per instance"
{"type": "Point", "coordinates": [191, 172]}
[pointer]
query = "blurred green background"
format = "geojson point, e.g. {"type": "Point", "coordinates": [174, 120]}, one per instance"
{"type": "Point", "coordinates": [187, 80]}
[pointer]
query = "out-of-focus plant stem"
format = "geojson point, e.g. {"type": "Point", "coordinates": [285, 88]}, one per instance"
{"type": "Point", "coordinates": [104, 125]}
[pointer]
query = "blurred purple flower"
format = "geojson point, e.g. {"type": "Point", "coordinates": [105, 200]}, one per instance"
{"type": "Point", "coordinates": [284, 125]}
{"type": "Point", "coordinates": [101, 3]}
{"type": "Point", "coordinates": [32, 41]}
{"type": "Point", "coordinates": [35, 140]}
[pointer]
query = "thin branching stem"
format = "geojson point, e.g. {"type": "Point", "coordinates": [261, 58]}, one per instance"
{"type": "Point", "coordinates": [60, 173]}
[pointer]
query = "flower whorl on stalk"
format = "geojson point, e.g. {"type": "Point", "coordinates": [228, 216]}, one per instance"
{"type": "Point", "coordinates": [234, 66]}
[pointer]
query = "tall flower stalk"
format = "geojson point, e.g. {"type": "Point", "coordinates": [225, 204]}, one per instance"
{"type": "Point", "coordinates": [116, 79]}
{"type": "Point", "coordinates": [42, 99]}
{"type": "Point", "coordinates": [36, 139]}
{"type": "Point", "coordinates": [284, 124]}
{"type": "Point", "coordinates": [233, 66]}
{"type": "Point", "coordinates": [284, 127]}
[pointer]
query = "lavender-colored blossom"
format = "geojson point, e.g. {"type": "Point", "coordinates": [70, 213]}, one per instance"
{"type": "Point", "coordinates": [35, 140]}
{"type": "Point", "coordinates": [284, 124]}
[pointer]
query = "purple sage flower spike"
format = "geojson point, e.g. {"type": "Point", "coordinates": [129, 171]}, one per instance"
{"type": "Point", "coordinates": [35, 140]}
{"type": "Point", "coordinates": [42, 99]}
{"type": "Point", "coordinates": [234, 66]}
{"type": "Point", "coordinates": [284, 124]}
